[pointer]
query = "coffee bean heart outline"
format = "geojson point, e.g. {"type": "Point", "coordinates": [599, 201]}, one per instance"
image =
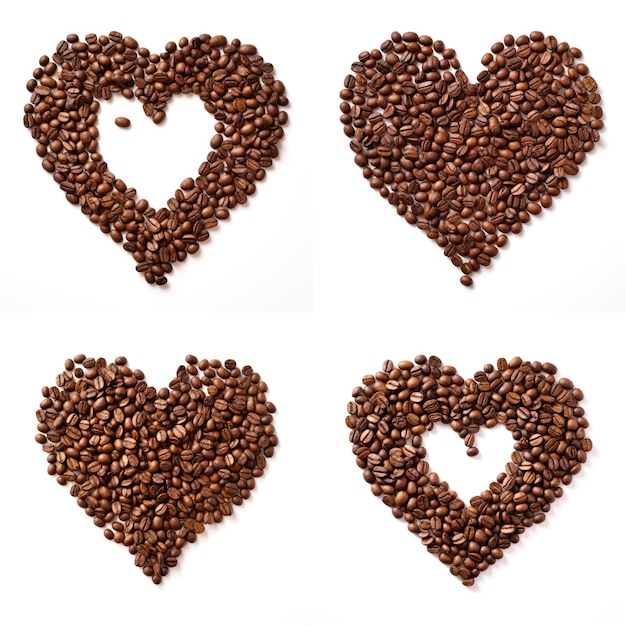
{"type": "Point", "coordinates": [470, 163]}
{"type": "Point", "coordinates": [392, 411]}
{"type": "Point", "coordinates": [153, 467]}
{"type": "Point", "coordinates": [237, 87]}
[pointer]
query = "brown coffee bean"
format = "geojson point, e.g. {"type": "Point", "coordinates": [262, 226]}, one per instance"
{"type": "Point", "coordinates": [387, 436]}
{"type": "Point", "coordinates": [122, 122]}
{"type": "Point", "coordinates": [151, 467]}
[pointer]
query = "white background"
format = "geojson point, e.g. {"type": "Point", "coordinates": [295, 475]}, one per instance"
{"type": "Point", "coordinates": [315, 282]}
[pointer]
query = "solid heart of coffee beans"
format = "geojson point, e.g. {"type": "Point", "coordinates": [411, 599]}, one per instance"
{"type": "Point", "coordinates": [153, 468]}
{"type": "Point", "coordinates": [470, 163]}
{"type": "Point", "coordinates": [389, 418]}
{"type": "Point", "coordinates": [237, 87]}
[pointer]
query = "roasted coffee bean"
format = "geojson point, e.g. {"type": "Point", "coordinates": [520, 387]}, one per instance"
{"type": "Point", "coordinates": [154, 467]}
{"type": "Point", "coordinates": [527, 398]}
{"type": "Point", "coordinates": [237, 87]}
{"type": "Point", "coordinates": [470, 163]}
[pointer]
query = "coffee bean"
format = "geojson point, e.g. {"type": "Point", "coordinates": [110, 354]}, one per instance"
{"type": "Point", "coordinates": [466, 163]}
{"type": "Point", "coordinates": [153, 468]}
{"type": "Point", "coordinates": [549, 448]}
{"type": "Point", "coordinates": [237, 87]}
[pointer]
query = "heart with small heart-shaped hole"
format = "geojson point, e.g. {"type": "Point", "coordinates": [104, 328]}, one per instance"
{"type": "Point", "coordinates": [154, 467]}
{"type": "Point", "coordinates": [390, 417]}
{"type": "Point", "coordinates": [236, 86]}
{"type": "Point", "coordinates": [470, 163]}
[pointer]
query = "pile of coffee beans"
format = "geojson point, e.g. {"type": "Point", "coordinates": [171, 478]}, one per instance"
{"type": "Point", "coordinates": [392, 411]}
{"type": "Point", "coordinates": [470, 163]}
{"type": "Point", "coordinates": [238, 89]}
{"type": "Point", "coordinates": [153, 467]}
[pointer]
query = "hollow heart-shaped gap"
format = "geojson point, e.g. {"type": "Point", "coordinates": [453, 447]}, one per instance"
{"type": "Point", "coordinates": [467, 475]}
{"type": "Point", "coordinates": [155, 157]}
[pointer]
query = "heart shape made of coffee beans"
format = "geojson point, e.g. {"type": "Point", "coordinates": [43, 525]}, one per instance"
{"type": "Point", "coordinates": [153, 468]}
{"type": "Point", "coordinates": [237, 87]}
{"type": "Point", "coordinates": [470, 163]}
{"type": "Point", "coordinates": [392, 411]}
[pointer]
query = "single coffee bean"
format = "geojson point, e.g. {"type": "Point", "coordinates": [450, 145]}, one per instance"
{"type": "Point", "coordinates": [122, 122]}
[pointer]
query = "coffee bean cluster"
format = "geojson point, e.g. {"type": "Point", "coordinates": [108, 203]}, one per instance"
{"type": "Point", "coordinates": [393, 410]}
{"type": "Point", "coordinates": [237, 87]}
{"type": "Point", "coordinates": [153, 467]}
{"type": "Point", "coordinates": [470, 163]}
